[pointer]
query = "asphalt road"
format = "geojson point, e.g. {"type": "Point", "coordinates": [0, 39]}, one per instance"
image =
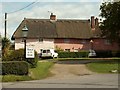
{"type": "Point", "coordinates": [86, 81]}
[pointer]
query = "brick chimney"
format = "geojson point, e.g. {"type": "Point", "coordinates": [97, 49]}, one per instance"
{"type": "Point", "coordinates": [96, 22]}
{"type": "Point", "coordinates": [92, 23]}
{"type": "Point", "coordinates": [52, 17]}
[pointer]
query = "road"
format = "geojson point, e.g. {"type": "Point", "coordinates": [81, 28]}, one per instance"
{"type": "Point", "coordinates": [85, 81]}
{"type": "Point", "coordinates": [70, 76]}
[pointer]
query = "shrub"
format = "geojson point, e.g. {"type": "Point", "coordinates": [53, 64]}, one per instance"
{"type": "Point", "coordinates": [15, 67]}
{"type": "Point", "coordinates": [108, 53]}
{"type": "Point", "coordinates": [18, 55]}
{"type": "Point", "coordinates": [73, 54]}
{"type": "Point", "coordinates": [116, 53]}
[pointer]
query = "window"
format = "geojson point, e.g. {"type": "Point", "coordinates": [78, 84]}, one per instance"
{"type": "Point", "coordinates": [107, 42]}
{"type": "Point", "coordinates": [40, 39]}
{"type": "Point", "coordinates": [83, 41]}
{"type": "Point", "coordinates": [44, 51]}
{"type": "Point", "coordinates": [48, 51]}
{"type": "Point", "coordinates": [66, 40]}
{"type": "Point", "coordinates": [67, 50]}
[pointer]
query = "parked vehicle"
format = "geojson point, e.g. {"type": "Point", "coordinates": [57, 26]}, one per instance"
{"type": "Point", "coordinates": [92, 53]}
{"type": "Point", "coordinates": [48, 53]}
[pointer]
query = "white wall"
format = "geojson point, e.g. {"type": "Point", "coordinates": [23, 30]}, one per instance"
{"type": "Point", "coordinates": [46, 44]}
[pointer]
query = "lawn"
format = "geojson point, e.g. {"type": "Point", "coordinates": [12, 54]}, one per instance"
{"type": "Point", "coordinates": [103, 67]}
{"type": "Point", "coordinates": [40, 72]}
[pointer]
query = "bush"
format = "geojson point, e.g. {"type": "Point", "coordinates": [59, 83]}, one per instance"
{"type": "Point", "coordinates": [15, 67]}
{"type": "Point", "coordinates": [73, 54]}
{"type": "Point", "coordinates": [116, 53]}
{"type": "Point", "coordinates": [105, 54]}
{"type": "Point", "coordinates": [18, 55]}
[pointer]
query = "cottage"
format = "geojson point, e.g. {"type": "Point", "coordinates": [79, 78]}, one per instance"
{"type": "Point", "coordinates": [66, 34]}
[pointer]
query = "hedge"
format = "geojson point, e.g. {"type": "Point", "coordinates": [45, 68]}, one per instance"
{"type": "Point", "coordinates": [15, 67]}
{"type": "Point", "coordinates": [82, 54]}
{"type": "Point", "coordinates": [18, 55]}
{"type": "Point", "coordinates": [73, 54]}
{"type": "Point", "coordinates": [108, 53]}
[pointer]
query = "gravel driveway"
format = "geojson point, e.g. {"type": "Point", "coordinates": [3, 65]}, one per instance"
{"type": "Point", "coordinates": [69, 71]}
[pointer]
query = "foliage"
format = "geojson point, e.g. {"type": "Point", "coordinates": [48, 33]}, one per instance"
{"type": "Point", "coordinates": [18, 55]}
{"type": "Point", "coordinates": [15, 67]}
{"type": "Point", "coordinates": [110, 27]}
{"type": "Point", "coordinates": [58, 49]}
{"type": "Point", "coordinates": [13, 78]}
{"type": "Point", "coordinates": [40, 72]}
{"type": "Point", "coordinates": [108, 53]}
{"type": "Point", "coordinates": [73, 54]}
{"type": "Point", "coordinates": [5, 46]}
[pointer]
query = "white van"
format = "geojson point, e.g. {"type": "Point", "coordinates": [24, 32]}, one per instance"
{"type": "Point", "coordinates": [48, 53]}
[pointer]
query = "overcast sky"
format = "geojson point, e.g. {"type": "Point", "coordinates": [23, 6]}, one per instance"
{"type": "Point", "coordinates": [63, 9]}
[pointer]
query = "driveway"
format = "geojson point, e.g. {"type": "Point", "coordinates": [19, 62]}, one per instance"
{"type": "Point", "coordinates": [70, 76]}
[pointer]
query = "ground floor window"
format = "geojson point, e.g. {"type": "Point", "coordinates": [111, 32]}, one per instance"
{"type": "Point", "coordinates": [67, 50]}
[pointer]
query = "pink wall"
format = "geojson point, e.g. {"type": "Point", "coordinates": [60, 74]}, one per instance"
{"type": "Point", "coordinates": [73, 44]}
{"type": "Point", "coordinates": [98, 44]}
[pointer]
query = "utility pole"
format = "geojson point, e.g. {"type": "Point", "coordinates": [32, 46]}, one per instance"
{"type": "Point", "coordinates": [5, 25]}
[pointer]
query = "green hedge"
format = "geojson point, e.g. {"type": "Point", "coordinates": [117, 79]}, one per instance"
{"type": "Point", "coordinates": [73, 54]}
{"type": "Point", "coordinates": [82, 54]}
{"type": "Point", "coordinates": [105, 54]}
{"type": "Point", "coordinates": [15, 67]}
{"type": "Point", "coordinates": [18, 55]}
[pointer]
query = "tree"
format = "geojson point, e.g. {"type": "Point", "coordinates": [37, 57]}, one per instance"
{"type": "Point", "coordinates": [5, 46]}
{"type": "Point", "coordinates": [110, 26]}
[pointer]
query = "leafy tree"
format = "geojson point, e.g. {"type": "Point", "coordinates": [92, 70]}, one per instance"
{"type": "Point", "coordinates": [5, 46]}
{"type": "Point", "coordinates": [110, 26]}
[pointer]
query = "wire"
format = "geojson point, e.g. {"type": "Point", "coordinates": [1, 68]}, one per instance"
{"type": "Point", "coordinates": [22, 8]}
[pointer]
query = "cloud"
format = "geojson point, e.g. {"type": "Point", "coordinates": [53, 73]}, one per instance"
{"type": "Point", "coordinates": [63, 10]}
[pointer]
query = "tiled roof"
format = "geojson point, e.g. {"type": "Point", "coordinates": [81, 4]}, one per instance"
{"type": "Point", "coordinates": [44, 28]}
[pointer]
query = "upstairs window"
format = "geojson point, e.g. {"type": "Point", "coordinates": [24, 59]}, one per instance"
{"type": "Point", "coordinates": [107, 42]}
{"type": "Point", "coordinates": [83, 41]}
{"type": "Point", "coordinates": [66, 40]}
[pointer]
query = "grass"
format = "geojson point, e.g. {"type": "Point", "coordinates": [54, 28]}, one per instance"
{"type": "Point", "coordinates": [40, 72]}
{"type": "Point", "coordinates": [103, 67]}
{"type": "Point", "coordinates": [12, 78]}
{"type": "Point", "coordinates": [64, 59]}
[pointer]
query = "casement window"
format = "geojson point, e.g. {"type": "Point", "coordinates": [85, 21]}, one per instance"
{"type": "Point", "coordinates": [67, 50]}
{"type": "Point", "coordinates": [83, 41]}
{"type": "Point", "coordinates": [66, 40]}
{"type": "Point", "coordinates": [40, 39]}
{"type": "Point", "coordinates": [107, 42]}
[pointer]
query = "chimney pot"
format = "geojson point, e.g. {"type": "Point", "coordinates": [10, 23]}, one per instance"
{"type": "Point", "coordinates": [92, 22]}
{"type": "Point", "coordinates": [52, 17]}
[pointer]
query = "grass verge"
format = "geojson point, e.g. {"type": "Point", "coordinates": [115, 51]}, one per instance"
{"type": "Point", "coordinates": [103, 67]}
{"type": "Point", "coordinates": [40, 72]}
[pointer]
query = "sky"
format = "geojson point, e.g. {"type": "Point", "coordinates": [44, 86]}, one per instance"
{"type": "Point", "coordinates": [41, 9]}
